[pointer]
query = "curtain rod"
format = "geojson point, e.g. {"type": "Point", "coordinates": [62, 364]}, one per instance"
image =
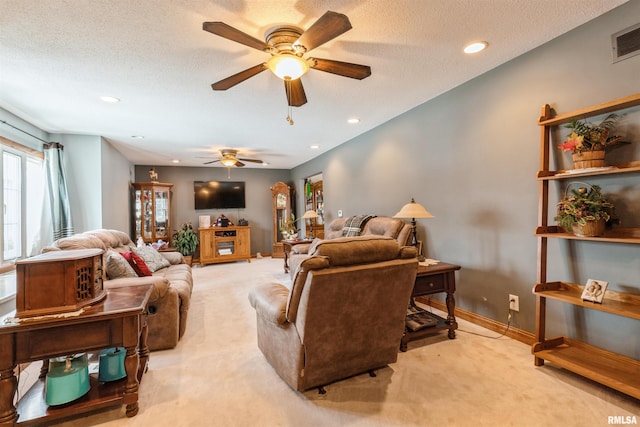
{"type": "Point", "coordinates": [23, 131]}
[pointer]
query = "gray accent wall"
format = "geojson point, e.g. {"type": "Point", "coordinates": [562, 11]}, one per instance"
{"type": "Point", "coordinates": [98, 200]}
{"type": "Point", "coordinates": [258, 182]}
{"type": "Point", "coordinates": [117, 172]}
{"type": "Point", "coordinates": [470, 156]}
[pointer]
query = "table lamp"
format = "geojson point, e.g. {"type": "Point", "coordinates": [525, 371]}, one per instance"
{"type": "Point", "coordinates": [310, 214]}
{"type": "Point", "coordinates": [413, 210]}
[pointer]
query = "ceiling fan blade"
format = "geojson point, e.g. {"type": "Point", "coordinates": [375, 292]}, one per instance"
{"type": "Point", "coordinates": [251, 160]}
{"type": "Point", "coordinates": [295, 92]}
{"type": "Point", "coordinates": [328, 26]}
{"type": "Point", "coordinates": [239, 164]}
{"type": "Point", "coordinates": [231, 81]}
{"type": "Point", "coordinates": [212, 161]}
{"type": "Point", "coordinates": [346, 69]}
{"type": "Point", "coordinates": [228, 32]}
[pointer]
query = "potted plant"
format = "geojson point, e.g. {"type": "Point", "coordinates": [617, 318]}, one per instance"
{"type": "Point", "coordinates": [584, 211]}
{"type": "Point", "coordinates": [288, 228]}
{"type": "Point", "coordinates": [185, 240]}
{"type": "Point", "coordinates": [588, 143]}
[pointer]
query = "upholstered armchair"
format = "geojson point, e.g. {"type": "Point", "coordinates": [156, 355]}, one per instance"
{"type": "Point", "coordinates": [344, 314]}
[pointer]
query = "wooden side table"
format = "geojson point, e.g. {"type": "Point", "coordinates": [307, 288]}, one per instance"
{"type": "Point", "coordinates": [430, 280]}
{"type": "Point", "coordinates": [118, 321]}
{"type": "Point", "coordinates": [287, 245]}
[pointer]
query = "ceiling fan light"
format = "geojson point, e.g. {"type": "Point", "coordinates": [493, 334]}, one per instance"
{"type": "Point", "coordinates": [228, 162]}
{"type": "Point", "coordinates": [287, 66]}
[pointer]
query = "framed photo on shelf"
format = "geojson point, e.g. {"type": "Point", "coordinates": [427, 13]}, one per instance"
{"type": "Point", "coordinates": [594, 291]}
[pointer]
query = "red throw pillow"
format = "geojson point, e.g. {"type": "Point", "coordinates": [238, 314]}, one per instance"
{"type": "Point", "coordinates": [137, 264]}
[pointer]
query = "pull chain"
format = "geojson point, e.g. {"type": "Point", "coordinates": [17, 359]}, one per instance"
{"type": "Point", "coordinates": [287, 82]}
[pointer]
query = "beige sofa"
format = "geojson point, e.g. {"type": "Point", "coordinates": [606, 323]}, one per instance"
{"type": "Point", "coordinates": [384, 226]}
{"type": "Point", "coordinates": [344, 314]}
{"type": "Point", "coordinates": [172, 281]}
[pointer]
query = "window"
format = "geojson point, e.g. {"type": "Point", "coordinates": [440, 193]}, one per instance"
{"type": "Point", "coordinates": [21, 197]}
{"type": "Point", "coordinates": [12, 202]}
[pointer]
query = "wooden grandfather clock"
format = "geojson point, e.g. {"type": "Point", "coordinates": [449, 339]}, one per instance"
{"type": "Point", "coordinates": [281, 201]}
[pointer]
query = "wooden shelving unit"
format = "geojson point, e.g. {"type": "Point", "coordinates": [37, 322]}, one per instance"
{"type": "Point", "coordinates": [608, 368]}
{"type": "Point", "coordinates": [616, 235]}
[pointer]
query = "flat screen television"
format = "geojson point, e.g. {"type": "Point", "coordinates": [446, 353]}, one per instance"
{"type": "Point", "coordinates": [218, 194]}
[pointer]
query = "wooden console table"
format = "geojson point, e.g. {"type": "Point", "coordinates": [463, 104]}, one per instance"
{"type": "Point", "coordinates": [118, 321]}
{"type": "Point", "coordinates": [432, 280]}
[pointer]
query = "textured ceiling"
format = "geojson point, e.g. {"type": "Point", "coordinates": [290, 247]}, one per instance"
{"type": "Point", "coordinates": [57, 57]}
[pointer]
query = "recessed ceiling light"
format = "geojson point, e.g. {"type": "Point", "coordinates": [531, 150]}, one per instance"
{"type": "Point", "coordinates": [110, 99]}
{"type": "Point", "coordinates": [314, 147]}
{"type": "Point", "coordinates": [476, 47]}
{"type": "Point", "coordinates": [175, 161]}
{"type": "Point", "coordinates": [353, 120]}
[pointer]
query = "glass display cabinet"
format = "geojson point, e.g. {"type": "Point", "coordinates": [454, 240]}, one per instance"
{"type": "Point", "coordinates": [152, 211]}
{"type": "Point", "coordinates": [314, 201]}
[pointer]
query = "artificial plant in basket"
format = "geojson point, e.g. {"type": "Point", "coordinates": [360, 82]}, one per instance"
{"type": "Point", "coordinates": [585, 136]}
{"type": "Point", "coordinates": [185, 239]}
{"type": "Point", "coordinates": [582, 206]}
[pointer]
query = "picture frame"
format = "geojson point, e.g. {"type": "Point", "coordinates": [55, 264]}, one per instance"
{"type": "Point", "coordinates": [594, 291]}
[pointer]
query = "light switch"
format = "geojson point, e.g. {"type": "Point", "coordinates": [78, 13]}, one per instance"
{"type": "Point", "coordinates": [339, 213]}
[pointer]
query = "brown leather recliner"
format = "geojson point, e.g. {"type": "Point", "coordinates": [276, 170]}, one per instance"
{"type": "Point", "coordinates": [344, 314]}
{"type": "Point", "coordinates": [376, 226]}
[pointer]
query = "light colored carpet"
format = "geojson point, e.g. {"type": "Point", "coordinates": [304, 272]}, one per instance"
{"type": "Point", "coordinates": [216, 376]}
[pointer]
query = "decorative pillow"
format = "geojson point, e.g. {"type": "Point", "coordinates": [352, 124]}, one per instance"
{"type": "Point", "coordinates": [137, 263]}
{"type": "Point", "coordinates": [151, 257]}
{"type": "Point", "coordinates": [117, 266]}
{"type": "Point", "coordinates": [354, 225]}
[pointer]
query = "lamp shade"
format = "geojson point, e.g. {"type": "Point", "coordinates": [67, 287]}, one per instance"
{"type": "Point", "coordinates": [287, 66]}
{"type": "Point", "coordinates": [413, 210]}
{"type": "Point", "coordinates": [310, 214]}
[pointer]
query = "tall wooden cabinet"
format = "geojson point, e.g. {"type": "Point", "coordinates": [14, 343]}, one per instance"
{"type": "Point", "coordinates": [225, 244]}
{"type": "Point", "coordinates": [152, 211]}
{"type": "Point", "coordinates": [605, 367]}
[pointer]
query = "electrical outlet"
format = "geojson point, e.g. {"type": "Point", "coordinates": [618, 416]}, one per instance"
{"type": "Point", "coordinates": [514, 302]}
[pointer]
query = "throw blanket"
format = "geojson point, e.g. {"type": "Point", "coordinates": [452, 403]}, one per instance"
{"type": "Point", "coordinates": [354, 225]}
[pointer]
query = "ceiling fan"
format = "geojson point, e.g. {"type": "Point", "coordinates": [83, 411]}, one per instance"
{"type": "Point", "coordinates": [229, 158]}
{"type": "Point", "coordinates": [287, 45]}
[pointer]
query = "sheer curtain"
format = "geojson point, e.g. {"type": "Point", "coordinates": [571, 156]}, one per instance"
{"type": "Point", "coordinates": [58, 196]}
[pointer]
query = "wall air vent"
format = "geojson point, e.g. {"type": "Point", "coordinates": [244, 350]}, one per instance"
{"type": "Point", "coordinates": [626, 43]}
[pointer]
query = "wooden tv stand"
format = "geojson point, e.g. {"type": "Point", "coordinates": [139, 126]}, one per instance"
{"type": "Point", "coordinates": [117, 321]}
{"type": "Point", "coordinates": [225, 244]}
